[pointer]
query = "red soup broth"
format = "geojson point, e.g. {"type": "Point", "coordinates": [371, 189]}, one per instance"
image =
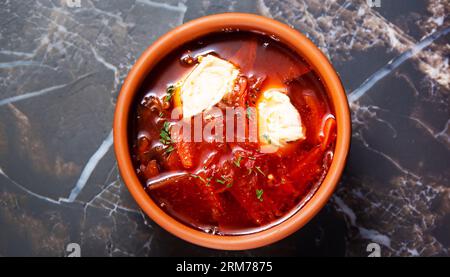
{"type": "Point", "coordinates": [233, 188]}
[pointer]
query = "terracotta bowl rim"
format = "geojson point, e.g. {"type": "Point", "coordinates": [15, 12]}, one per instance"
{"type": "Point", "coordinates": [190, 31]}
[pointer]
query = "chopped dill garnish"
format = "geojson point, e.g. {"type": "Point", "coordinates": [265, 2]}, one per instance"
{"type": "Point", "coordinates": [200, 178]}
{"type": "Point", "coordinates": [237, 162]}
{"type": "Point", "coordinates": [259, 193]}
{"type": "Point", "coordinates": [169, 93]}
{"type": "Point", "coordinates": [249, 112]}
{"type": "Point", "coordinates": [169, 149]}
{"type": "Point", "coordinates": [267, 138]}
{"type": "Point", "coordinates": [164, 135]}
{"type": "Point", "coordinates": [259, 170]}
{"type": "Point", "coordinates": [224, 180]}
{"type": "Point", "coordinates": [164, 138]}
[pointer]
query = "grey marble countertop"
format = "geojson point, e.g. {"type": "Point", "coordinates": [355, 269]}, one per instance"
{"type": "Point", "coordinates": [61, 68]}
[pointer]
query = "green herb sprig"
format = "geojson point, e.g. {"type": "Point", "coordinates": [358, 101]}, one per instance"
{"type": "Point", "coordinates": [237, 162]}
{"type": "Point", "coordinates": [259, 194]}
{"type": "Point", "coordinates": [169, 93]}
{"type": "Point", "coordinates": [260, 171]}
{"type": "Point", "coordinates": [201, 179]}
{"type": "Point", "coordinates": [267, 138]}
{"type": "Point", "coordinates": [249, 112]}
{"type": "Point", "coordinates": [164, 135]}
{"type": "Point", "coordinates": [225, 181]}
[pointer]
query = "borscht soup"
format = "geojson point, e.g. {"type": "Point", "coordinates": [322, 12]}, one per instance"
{"type": "Point", "coordinates": [232, 133]}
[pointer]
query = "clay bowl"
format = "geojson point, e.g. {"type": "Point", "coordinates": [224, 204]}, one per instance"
{"type": "Point", "coordinates": [188, 32]}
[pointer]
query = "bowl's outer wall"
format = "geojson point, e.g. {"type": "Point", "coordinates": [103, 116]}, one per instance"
{"type": "Point", "coordinates": [188, 32]}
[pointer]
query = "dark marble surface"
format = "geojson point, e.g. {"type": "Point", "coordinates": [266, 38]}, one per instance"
{"type": "Point", "coordinates": [61, 69]}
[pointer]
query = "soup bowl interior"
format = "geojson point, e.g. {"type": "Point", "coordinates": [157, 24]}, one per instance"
{"type": "Point", "coordinates": [191, 31]}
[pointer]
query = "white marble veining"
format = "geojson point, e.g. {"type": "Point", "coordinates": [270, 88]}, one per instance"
{"type": "Point", "coordinates": [90, 167]}
{"type": "Point", "coordinates": [61, 69]}
{"type": "Point", "coordinates": [395, 63]}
